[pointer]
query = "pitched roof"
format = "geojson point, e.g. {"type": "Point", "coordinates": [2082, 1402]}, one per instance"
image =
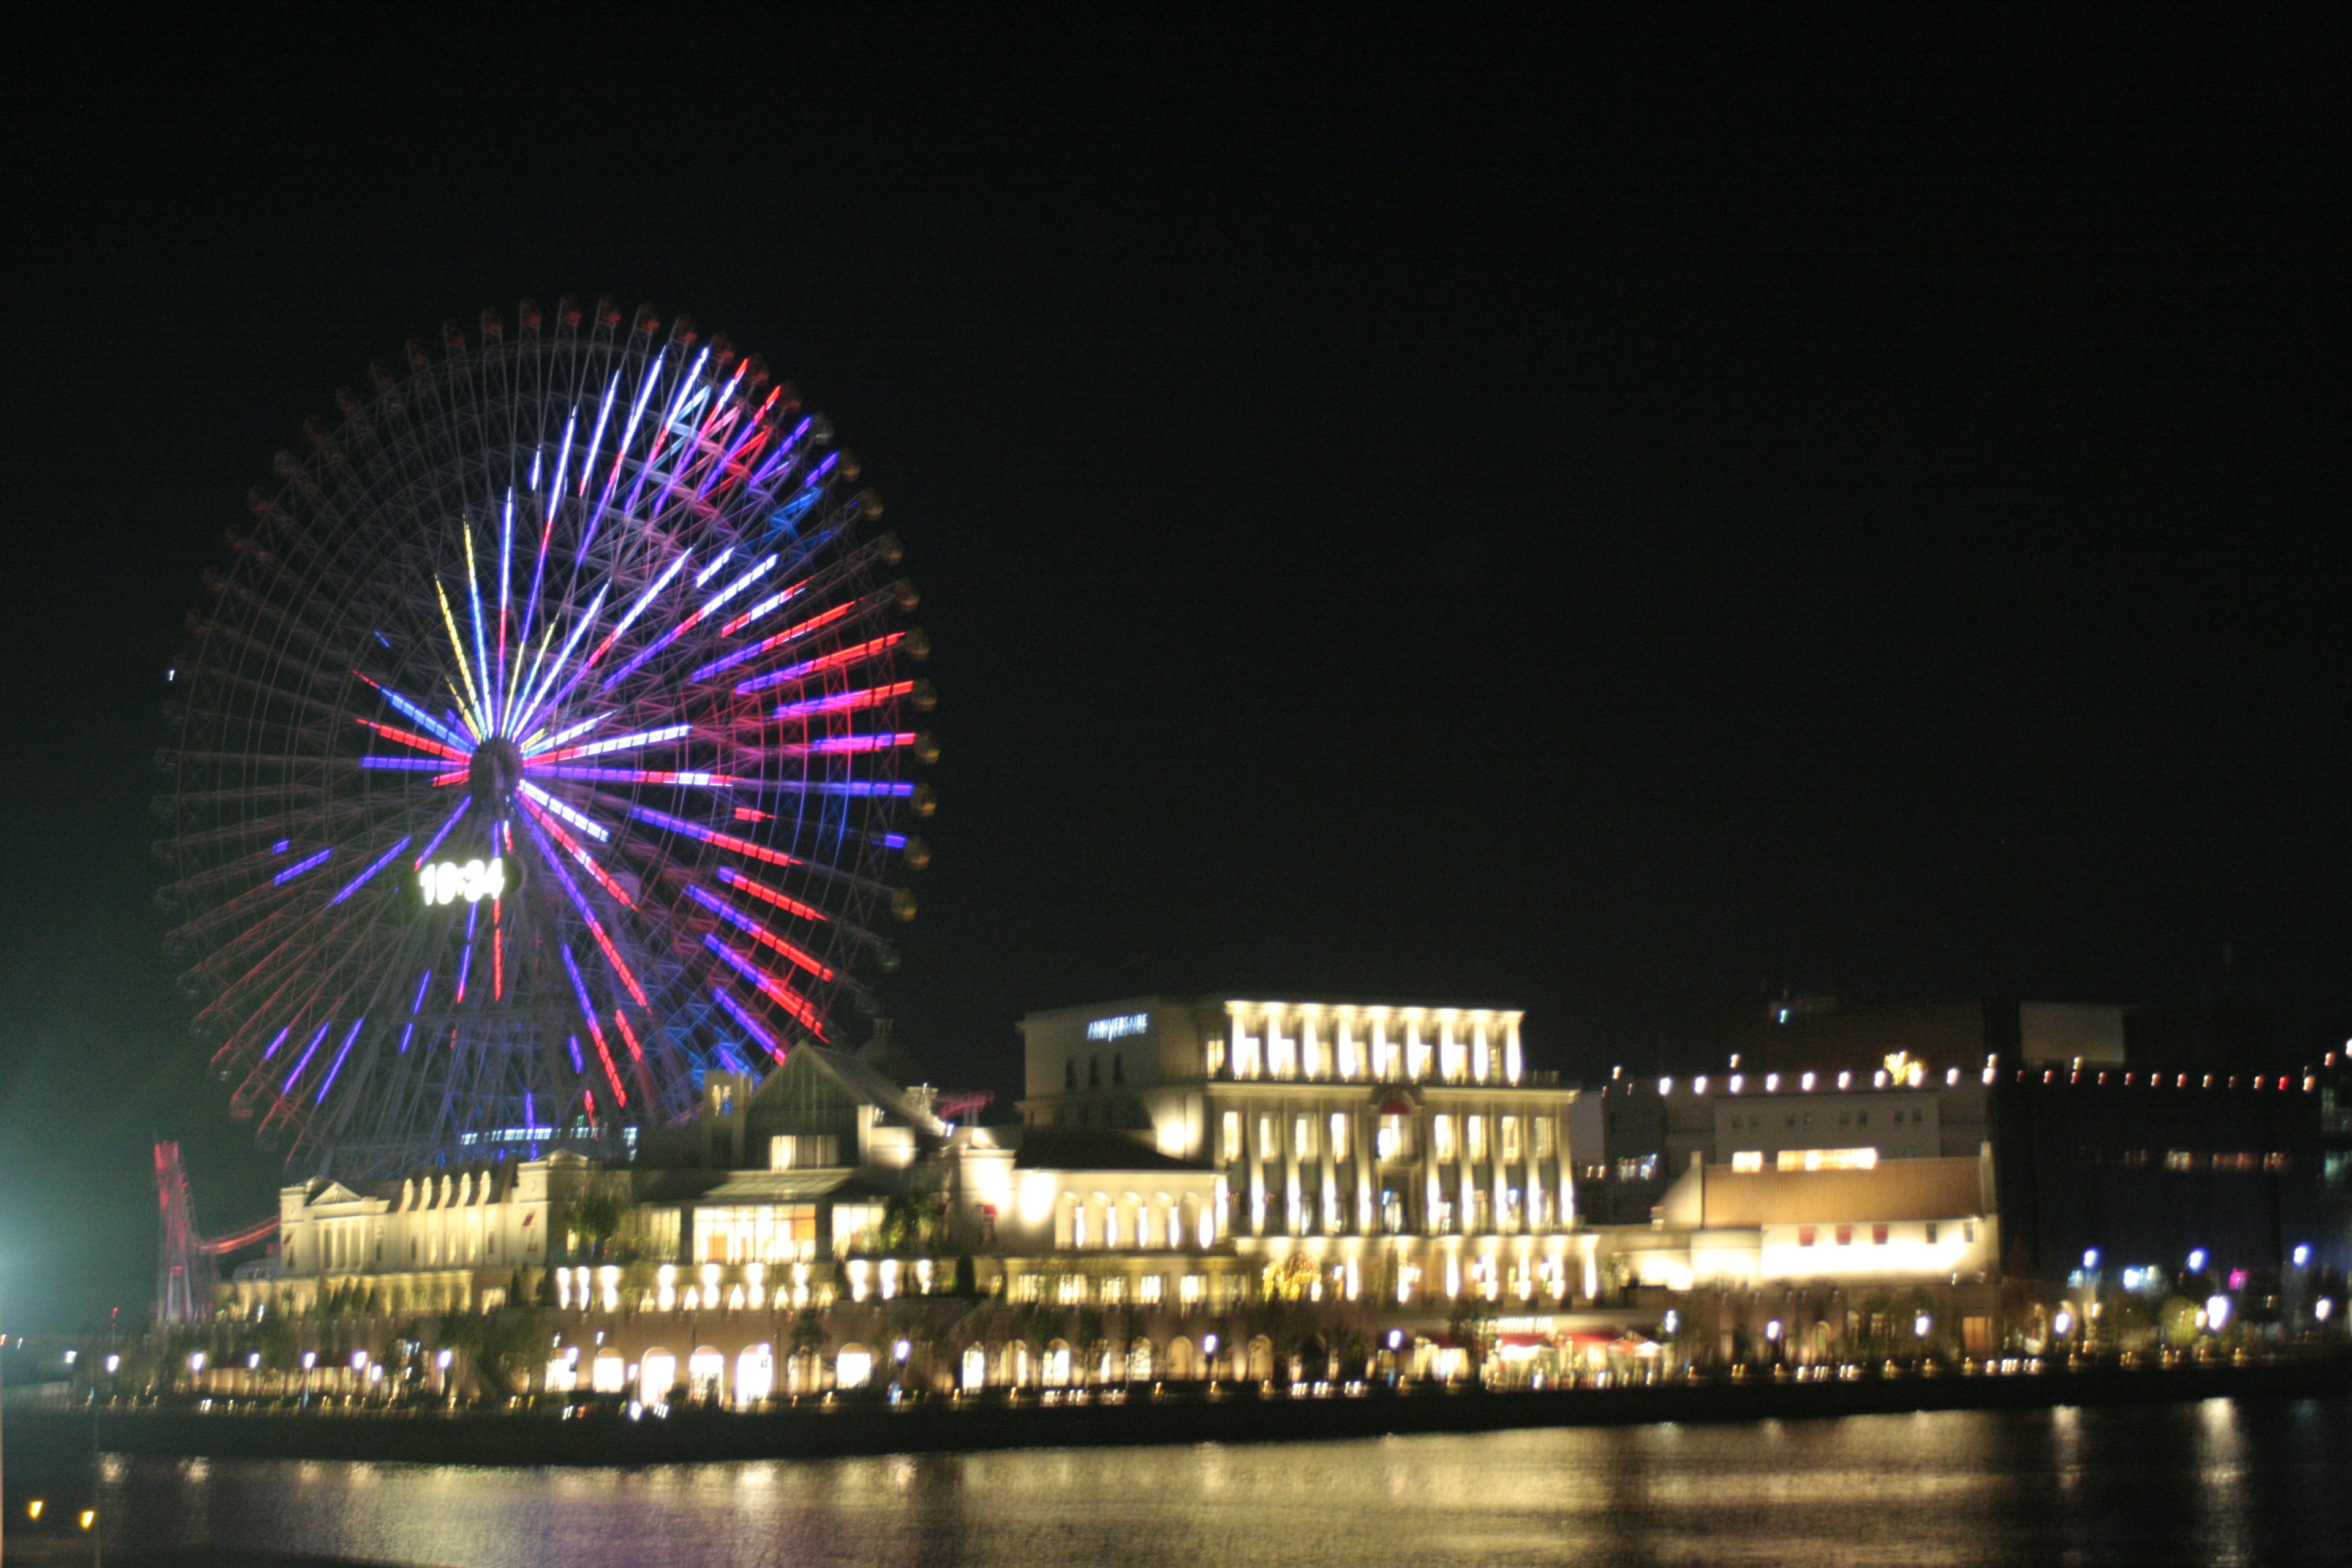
{"type": "Point", "coordinates": [860, 1080]}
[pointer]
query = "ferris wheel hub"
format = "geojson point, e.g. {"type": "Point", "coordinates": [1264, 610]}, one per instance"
{"type": "Point", "coordinates": [496, 770]}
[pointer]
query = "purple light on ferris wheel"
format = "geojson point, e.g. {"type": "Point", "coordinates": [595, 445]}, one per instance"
{"type": "Point", "coordinates": [752, 1027]}
{"type": "Point", "coordinates": [693, 619]}
{"type": "Point", "coordinates": [325, 1025]}
{"type": "Point", "coordinates": [420, 716]}
{"type": "Point", "coordinates": [329, 1081]}
{"type": "Point", "coordinates": [301, 866]}
{"type": "Point", "coordinates": [356, 883]}
{"type": "Point", "coordinates": [563, 735]}
{"type": "Point", "coordinates": [712, 570]}
{"type": "Point", "coordinates": [543, 674]}
{"type": "Point", "coordinates": [629, 616]}
{"type": "Point", "coordinates": [464, 801]}
{"type": "Point", "coordinates": [577, 819]}
{"type": "Point", "coordinates": [466, 961]}
{"type": "Point", "coordinates": [278, 1042]}
{"type": "Point", "coordinates": [616, 744]}
{"type": "Point", "coordinates": [573, 847]}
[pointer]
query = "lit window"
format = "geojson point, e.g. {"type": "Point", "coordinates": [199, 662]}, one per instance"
{"type": "Point", "coordinates": [1387, 1143]}
{"type": "Point", "coordinates": [1804, 1236]}
{"type": "Point", "coordinates": [1845, 1236]}
{"type": "Point", "coordinates": [1302, 1132]}
{"type": "Point", "coordinates": [1339, 1135]}
{"type": "Point", "coordinates": [1146, 1291]}
{"type": "Point", "coordinates": [1543, 1137]}
{"type": "Point", "coordinates": [1229, 1137]}
{"type": "Point", "coordinates": [1475, 1126]}
{"type": "Point", "coordinates": [1878, 1235]}
{"type": "Point", "coordinates": [1441, 1135]}
{"type": "Point", "coordinates": [1269, 1135]}
{"type": "Point", "coordinates": [1510, 1128]}
{"type": "Point", "coordinates": [1748, 1160]}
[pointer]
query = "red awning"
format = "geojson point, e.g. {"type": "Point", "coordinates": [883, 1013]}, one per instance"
{"type": "Point", "coordinates": [1542, 1340]}
{"type": "Point", "coordinates": [1396, 1107]}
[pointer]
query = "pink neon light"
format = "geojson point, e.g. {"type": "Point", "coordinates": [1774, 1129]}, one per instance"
{"type": "Point", "coordinates": [846, 702]}
{"type": "Point", "coordinates": [795, 633]}
{"type": "Point", "coordinates": [604, 1054]}
{"type": "Point", "coordinates": [791, 906]}
{"type": "Point", "coordinates": [636, 1051]}
{"type": "Point", "coordinates": [774, 989]}
{"type": "Point", "coordinates": [783, 595]}
{"type": "Point", "coordinates": [419, 741]}
{"type": "Point", "coordinates": [644, 775]}
{"type": "Point", "coordinates": [613, 956]}
{"type": "Point", "coordinates": [842, 745]}
{"type": "Point", "coordinates": [555, 830]}
{"type": "Point", "coordinates": [802, 671]}
{"type": "Point", "coordinates": [717, 840]}
{"type": "Point", "coordinates": [800, 956]}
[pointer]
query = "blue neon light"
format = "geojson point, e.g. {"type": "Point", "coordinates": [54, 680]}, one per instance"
{"type": "Point", "coordinates": [300, 867]}
{"type": "Point", "coordinates": [751, 1025]}
{"type": "Point", "coordinates": [323, 1026]}
{"type": "Point", "coordinates": [329, 1081]}
{"type": "Point", "coordinates": [446, 826]}
{"type": "Point", "coordinates": [359, 881]}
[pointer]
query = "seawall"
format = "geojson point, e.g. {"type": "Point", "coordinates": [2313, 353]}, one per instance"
{"type": "Point", "coordinates": [1240, 1415]}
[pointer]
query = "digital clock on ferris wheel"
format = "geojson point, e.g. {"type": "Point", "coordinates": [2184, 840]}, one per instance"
{"type": "Point", "coordinates": [446, 881]}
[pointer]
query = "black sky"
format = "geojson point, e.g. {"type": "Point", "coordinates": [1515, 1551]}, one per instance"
{"type": "Point", "coordinates": [1468, 504]}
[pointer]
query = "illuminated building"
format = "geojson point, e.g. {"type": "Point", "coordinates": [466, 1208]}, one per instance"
{"type": "Point", "coordinates": [1398, 1150]}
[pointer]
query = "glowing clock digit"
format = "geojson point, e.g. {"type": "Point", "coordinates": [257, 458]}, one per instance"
{"type": "Point", "coordinates": [446, 881]}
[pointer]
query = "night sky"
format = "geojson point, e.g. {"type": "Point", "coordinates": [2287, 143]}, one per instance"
{"type": "Point", "coordinates": [1617, 524]}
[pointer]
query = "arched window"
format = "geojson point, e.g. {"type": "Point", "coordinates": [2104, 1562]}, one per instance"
{"type": "Point", "coordinates": [1181, 1363]}
{"type": "Point", "coordinates": [1139, 1362]}
{"type": "Point", "coordinates": [755, 1375]}
{"type": "Point", "coordinates": [1058, 1363]}
{"type": "Point", "coordinates": [853, 1366]}
{"type": "Point", "coordinates": [975, 1368]}
{"type": "Point", "coordinates": [656, 1375]}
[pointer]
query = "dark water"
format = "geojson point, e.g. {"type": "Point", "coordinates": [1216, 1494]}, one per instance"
{"type": "Point", "coordinates": [2217, 1483]}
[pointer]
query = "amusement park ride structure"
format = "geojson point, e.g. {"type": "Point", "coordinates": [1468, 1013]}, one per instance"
{"type": "Point", "coordinates": [543, 746]}
{"type": "Point", "coordinates": [185, 1272]}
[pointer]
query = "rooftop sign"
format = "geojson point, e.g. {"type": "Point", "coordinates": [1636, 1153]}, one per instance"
{"type": "Point", "coordinates": [1113, 1028]}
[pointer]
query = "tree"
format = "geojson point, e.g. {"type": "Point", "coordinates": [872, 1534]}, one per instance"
{"type": "Point", "coordinates": [1469, 1327]}
{"type": "Point", "coordinates": [597, 1214]}
{"type": "Point", "coordinates": [502, 1347]}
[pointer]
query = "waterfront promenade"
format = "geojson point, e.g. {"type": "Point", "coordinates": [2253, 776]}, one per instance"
{"type": "Point", "coordinates": [818, 1427]}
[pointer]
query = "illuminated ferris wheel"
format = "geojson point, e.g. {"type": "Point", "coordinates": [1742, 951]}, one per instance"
{"type": "Point", "coordinates": [545, 745]}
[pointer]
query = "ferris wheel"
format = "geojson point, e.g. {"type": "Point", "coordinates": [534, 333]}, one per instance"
{"type": "Point", "coordinates": [545, 745]}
